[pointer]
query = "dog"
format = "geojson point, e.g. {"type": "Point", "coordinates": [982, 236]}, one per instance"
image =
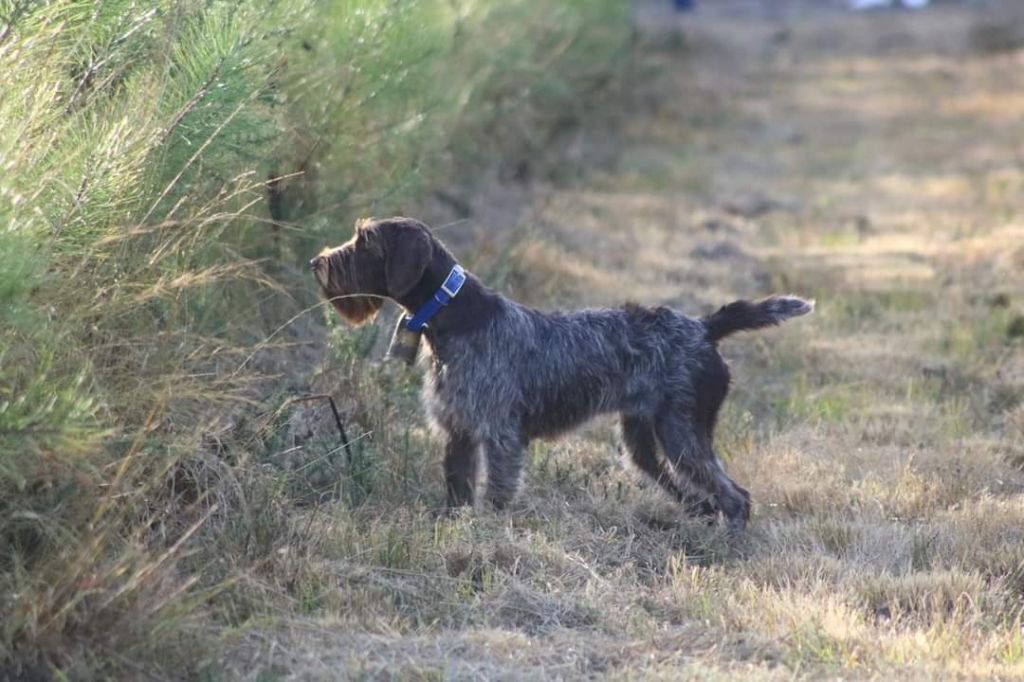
{"type": "Point", "coordinates": [503, 374]}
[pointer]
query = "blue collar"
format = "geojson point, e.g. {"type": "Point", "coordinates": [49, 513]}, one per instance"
{"type": "Point", "coordinates": [449, 288]}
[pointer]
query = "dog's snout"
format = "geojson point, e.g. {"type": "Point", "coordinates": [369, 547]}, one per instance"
{"type": "Point", "coordinates": [313, 263]}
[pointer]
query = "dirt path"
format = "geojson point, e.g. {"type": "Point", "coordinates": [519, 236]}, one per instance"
{"type": "Point", "coordinates": [873, 162]}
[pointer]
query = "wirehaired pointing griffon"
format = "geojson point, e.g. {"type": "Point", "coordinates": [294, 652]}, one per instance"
{"type": "Point", "coordinates": [503, 374]}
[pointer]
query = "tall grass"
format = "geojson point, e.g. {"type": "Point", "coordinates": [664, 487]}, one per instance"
{"type": "Point", "coordinates": [164, 170]}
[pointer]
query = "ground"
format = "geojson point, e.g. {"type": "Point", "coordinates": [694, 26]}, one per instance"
{"type": "Point", "coordinates": [871, 161]}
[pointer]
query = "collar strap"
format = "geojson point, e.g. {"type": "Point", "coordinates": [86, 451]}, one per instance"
{"type": "Point", "coordinates": [449, 288]}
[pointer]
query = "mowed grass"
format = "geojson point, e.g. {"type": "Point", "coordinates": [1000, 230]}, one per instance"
{"type": "Point", "coordinates": [870, 162]}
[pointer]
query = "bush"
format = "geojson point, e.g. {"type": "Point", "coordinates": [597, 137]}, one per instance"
{"type": "Point", "coordinates": [166, 168]}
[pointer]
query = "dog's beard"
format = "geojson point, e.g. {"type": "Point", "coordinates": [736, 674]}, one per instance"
{"type": "Point", "coordinates": [357, 309]}
{"type": "Point", "coordinates": [340, 288]}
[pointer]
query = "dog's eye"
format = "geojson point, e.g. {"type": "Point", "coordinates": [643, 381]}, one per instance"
{"type": "Point", "coordinates": [367, 240]}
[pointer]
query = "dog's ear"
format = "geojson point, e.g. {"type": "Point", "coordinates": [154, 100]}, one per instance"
{"type": "Point", "coordinates": [408, 252]}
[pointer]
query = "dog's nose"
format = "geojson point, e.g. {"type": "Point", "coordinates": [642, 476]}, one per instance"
{"type": "Point", "coordinates": [313, 262]}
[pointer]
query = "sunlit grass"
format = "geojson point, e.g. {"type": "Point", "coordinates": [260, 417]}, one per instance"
{"type": "Point", "coordinates": [166, 169]}
{"type": "Point", "coordinates": [169, 511]}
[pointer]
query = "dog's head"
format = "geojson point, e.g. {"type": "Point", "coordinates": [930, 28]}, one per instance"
{"type": "Point", "coordinates": [383, 259]}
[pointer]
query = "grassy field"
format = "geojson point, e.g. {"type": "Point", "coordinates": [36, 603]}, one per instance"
{"type": "Point", "coordinates": [186, 520]}
{"type": "Point", "coordinates": [871, 162]}
{"type": "Point", "coordinates": [166, 170]}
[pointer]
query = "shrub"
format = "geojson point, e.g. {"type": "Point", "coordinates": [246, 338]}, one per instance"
{"type": "Point", "coordinates": [148, 255]}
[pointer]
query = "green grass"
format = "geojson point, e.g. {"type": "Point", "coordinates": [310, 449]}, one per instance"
{"type": "Point", "coordinates": [151, 289]}
{"type": "Point", "coordinates": [168, 511]}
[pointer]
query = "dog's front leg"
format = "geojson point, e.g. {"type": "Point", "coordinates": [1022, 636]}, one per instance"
{"type": "Point", "coordinates": [504, 467]}
{"type": "Point", "coordinates": [460, 462]}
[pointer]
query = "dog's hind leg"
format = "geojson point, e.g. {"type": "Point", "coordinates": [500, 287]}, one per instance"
{"type": "Point", "coordinates": [504, 467]}
{"type": "Point", "coordinates": [638, 435]}
{"type": "Point", "coordinates": [691, 453]}
{"type": "Point", "coordinates": [460, 462]}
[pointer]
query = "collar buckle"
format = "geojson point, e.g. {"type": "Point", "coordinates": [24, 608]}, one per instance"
{"type": "Point", "coordinates": [454, 281]}
{"type": "Point", "coordinates": [449, 289]}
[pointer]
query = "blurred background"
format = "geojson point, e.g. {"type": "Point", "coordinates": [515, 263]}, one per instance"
{"type": "Point", "coordinates": [169, 511]}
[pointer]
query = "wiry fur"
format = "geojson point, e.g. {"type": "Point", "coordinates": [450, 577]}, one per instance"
{"type": "Point", "coordinates": [747, 315]}
{"type": "Point", "coordinates": [503, 374]}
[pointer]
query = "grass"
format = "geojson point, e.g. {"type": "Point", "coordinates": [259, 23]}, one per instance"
{"type": "Point", "coordinates": [167, 168]}
{"type": "Point", "coordinates": [170, 512]}
{"type": "Point", "coordinates": [880, 438]}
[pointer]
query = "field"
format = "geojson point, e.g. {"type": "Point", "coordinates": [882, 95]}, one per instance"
{"type": "Point", "coordinates": [182, 517]}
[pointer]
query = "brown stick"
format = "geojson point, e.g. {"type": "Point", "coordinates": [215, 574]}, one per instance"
{"type": "Point", "coordinates": [337, 420]}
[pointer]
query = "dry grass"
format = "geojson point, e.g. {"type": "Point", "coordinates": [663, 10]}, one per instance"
{"type": "Point", "coordinates": [882, 439]}
{"type": "Point", "coordinates": [167, 168]}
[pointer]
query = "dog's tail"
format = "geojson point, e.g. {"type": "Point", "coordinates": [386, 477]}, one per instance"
{"type": "Point", "coordinates": [745, 315]}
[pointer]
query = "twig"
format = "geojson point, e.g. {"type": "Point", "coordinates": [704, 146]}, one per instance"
{"type": "Point", "coordinates": [337, 420]}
